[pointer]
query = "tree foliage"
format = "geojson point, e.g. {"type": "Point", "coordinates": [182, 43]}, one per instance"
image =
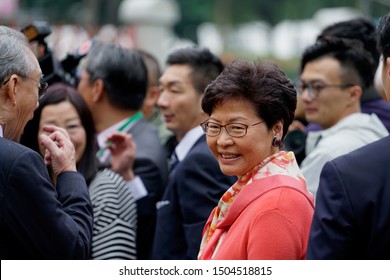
{"type": "Point", "coordinates": [194, 12]}
{"type": "Point", "coordinates": [234, 12]}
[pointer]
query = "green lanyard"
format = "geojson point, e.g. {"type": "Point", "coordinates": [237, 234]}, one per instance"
{"type": "Point", "coordinates": [123, 127]}
{"type": "Point", "coordinates": [133, 118]}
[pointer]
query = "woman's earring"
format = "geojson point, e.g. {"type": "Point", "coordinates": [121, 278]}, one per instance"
{"type": "Point", "coordinates": [276, 141]}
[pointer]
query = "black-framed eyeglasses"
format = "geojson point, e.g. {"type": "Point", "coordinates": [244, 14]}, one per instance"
{"type": "Point", "coordinates": [41, 88]}
{"type": "Point", "coordinates": [236, 130]}
{"type": "Point", "coordinates": [314, 89]}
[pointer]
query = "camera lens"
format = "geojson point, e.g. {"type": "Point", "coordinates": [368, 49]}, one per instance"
{"type": "Point", "coordinates": [295, 141]}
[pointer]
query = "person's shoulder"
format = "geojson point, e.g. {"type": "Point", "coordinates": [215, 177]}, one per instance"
{"type": "Point", "coordinates": [200, 147]}
{"type": "Point", "coordinates": [145, 135]}
{"type": "Point", "coordinates": [348, 138]}
{"type": "Point", "coordinates": [370, 152]}
{"type": "Point", "coordinates": [281, 196]}
{"type": "Point", "coordinates": [143, 126]}
{"type": "Point", "coordinates": [294, 198]}
{"type": "Point", "coordinates": [108, 184]}
{"type": "Point", "coordinates": [200, 153]}
{"type": "Point", "coordinates": [107, 176]}
{"type": "Point", "coordinates": [21, 162]}
{"type": "Point", "coordinates": [361, 167]}
{"type": "Point", "coordinates": [8, 144]}
{"type": "Point", "coordinates": [289, 203]}
{"type": "Point", "coordinates": [375, 106]}
{"type": "Point", "coordinates": [10, 149]}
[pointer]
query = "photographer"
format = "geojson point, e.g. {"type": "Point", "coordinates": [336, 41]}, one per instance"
{"type": "Point", "coordinates": [53, 70]}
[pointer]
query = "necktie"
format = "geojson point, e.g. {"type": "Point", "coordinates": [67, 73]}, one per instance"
{"type": "Point", "coordinates": [174, 162]}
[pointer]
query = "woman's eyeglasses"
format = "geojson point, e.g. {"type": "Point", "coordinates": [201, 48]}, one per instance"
{"type": "Point", "coordinates": [236, 130]}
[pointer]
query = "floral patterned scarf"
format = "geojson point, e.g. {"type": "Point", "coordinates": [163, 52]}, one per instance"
{"type": "Point", "coordinates": [279, 163]}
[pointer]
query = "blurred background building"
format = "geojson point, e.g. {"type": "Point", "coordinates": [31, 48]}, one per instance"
{"type": "Point", "coordinates": [277, 29]}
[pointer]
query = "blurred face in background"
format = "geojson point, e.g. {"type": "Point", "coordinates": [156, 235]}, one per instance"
{"type": "Point", "coordinates": [386, 77]}
{"type": "Point", "coordinates": [179, 102]}
{"type": "Point", "coordinates": [85, 88]}
{"type": "Point", "coordinates": [330, 102]}
{"type": "Point", "coordinates": [65, 115]}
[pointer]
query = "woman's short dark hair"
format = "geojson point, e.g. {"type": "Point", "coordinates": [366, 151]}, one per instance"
{"type": "Point", "coordinates": [57, 93]}
{"type": "Point", "coordinates": [263, 84]}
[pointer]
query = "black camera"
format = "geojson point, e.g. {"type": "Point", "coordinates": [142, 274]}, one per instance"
{"type": "Point", "coordinates": [295, 141]}
{"type": "Point", "coordinates": [53, 69]}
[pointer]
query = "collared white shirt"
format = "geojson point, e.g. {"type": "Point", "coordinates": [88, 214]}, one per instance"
{"type": "Point", "coordinates": [187, 142]}
{"type": "Point", "coordinates": [181, 151]}
{"type": "Point", "coordinates": [124, 125]}
{"type": "Point", "coordinates": [102, 137]}
{"type": "Point", "coordinates": [1, 131]}
{"type": "Point", "coordinates": [136, 185]}
{"type": "Point", "coordinates": [348, 134]}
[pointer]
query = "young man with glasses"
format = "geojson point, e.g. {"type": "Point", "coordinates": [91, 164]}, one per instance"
{"type": "Point", "coordinates": [361, 29]}
{"type": "Point", "coordinates": [352, 216]}
{"type": "Point", "coordinates": [334, 73]}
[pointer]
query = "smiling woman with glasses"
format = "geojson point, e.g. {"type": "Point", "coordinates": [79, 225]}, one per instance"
{"type": "Point", "coordinates": [266, 214]}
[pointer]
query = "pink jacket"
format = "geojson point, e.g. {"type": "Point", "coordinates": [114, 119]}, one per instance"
{"type": "Point", "coordinates": [269, 219]}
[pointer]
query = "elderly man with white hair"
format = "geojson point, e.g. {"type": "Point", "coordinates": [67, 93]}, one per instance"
{"type": "Point", "coordinates": [37, 220]}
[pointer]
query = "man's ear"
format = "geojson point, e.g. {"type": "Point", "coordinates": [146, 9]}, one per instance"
{"type": "Point", "coordinates": [10, 89]}
{"type": "Point", "coordinates": [355, 92]}
{"type": "Point", "coordinates": [152, 95]}
{"type": "Point", "coordinates": [97, 90]}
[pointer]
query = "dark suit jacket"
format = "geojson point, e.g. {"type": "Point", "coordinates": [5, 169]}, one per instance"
{"type": "Point", "coordinates": [151, 166]}
{"type": "Point", "coordinates": [352, 214]}
{"type": "Point", "coordinates": [36, 220]}
{"type": "Point", "coordinates": [193, 190]}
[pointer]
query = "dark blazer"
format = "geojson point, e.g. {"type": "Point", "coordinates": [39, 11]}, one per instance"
{"type": "Point", "coordinates": [151, 166]}
{"type": "Point", "coordinates": [36, 220]}
{"type": "Point", "coordinates": [194, 189]}
{"type": "Point", "coordinates": [352, 214]}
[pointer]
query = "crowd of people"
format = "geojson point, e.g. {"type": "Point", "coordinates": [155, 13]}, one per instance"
{"type": "Point", "coordinates": [189, 161]}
